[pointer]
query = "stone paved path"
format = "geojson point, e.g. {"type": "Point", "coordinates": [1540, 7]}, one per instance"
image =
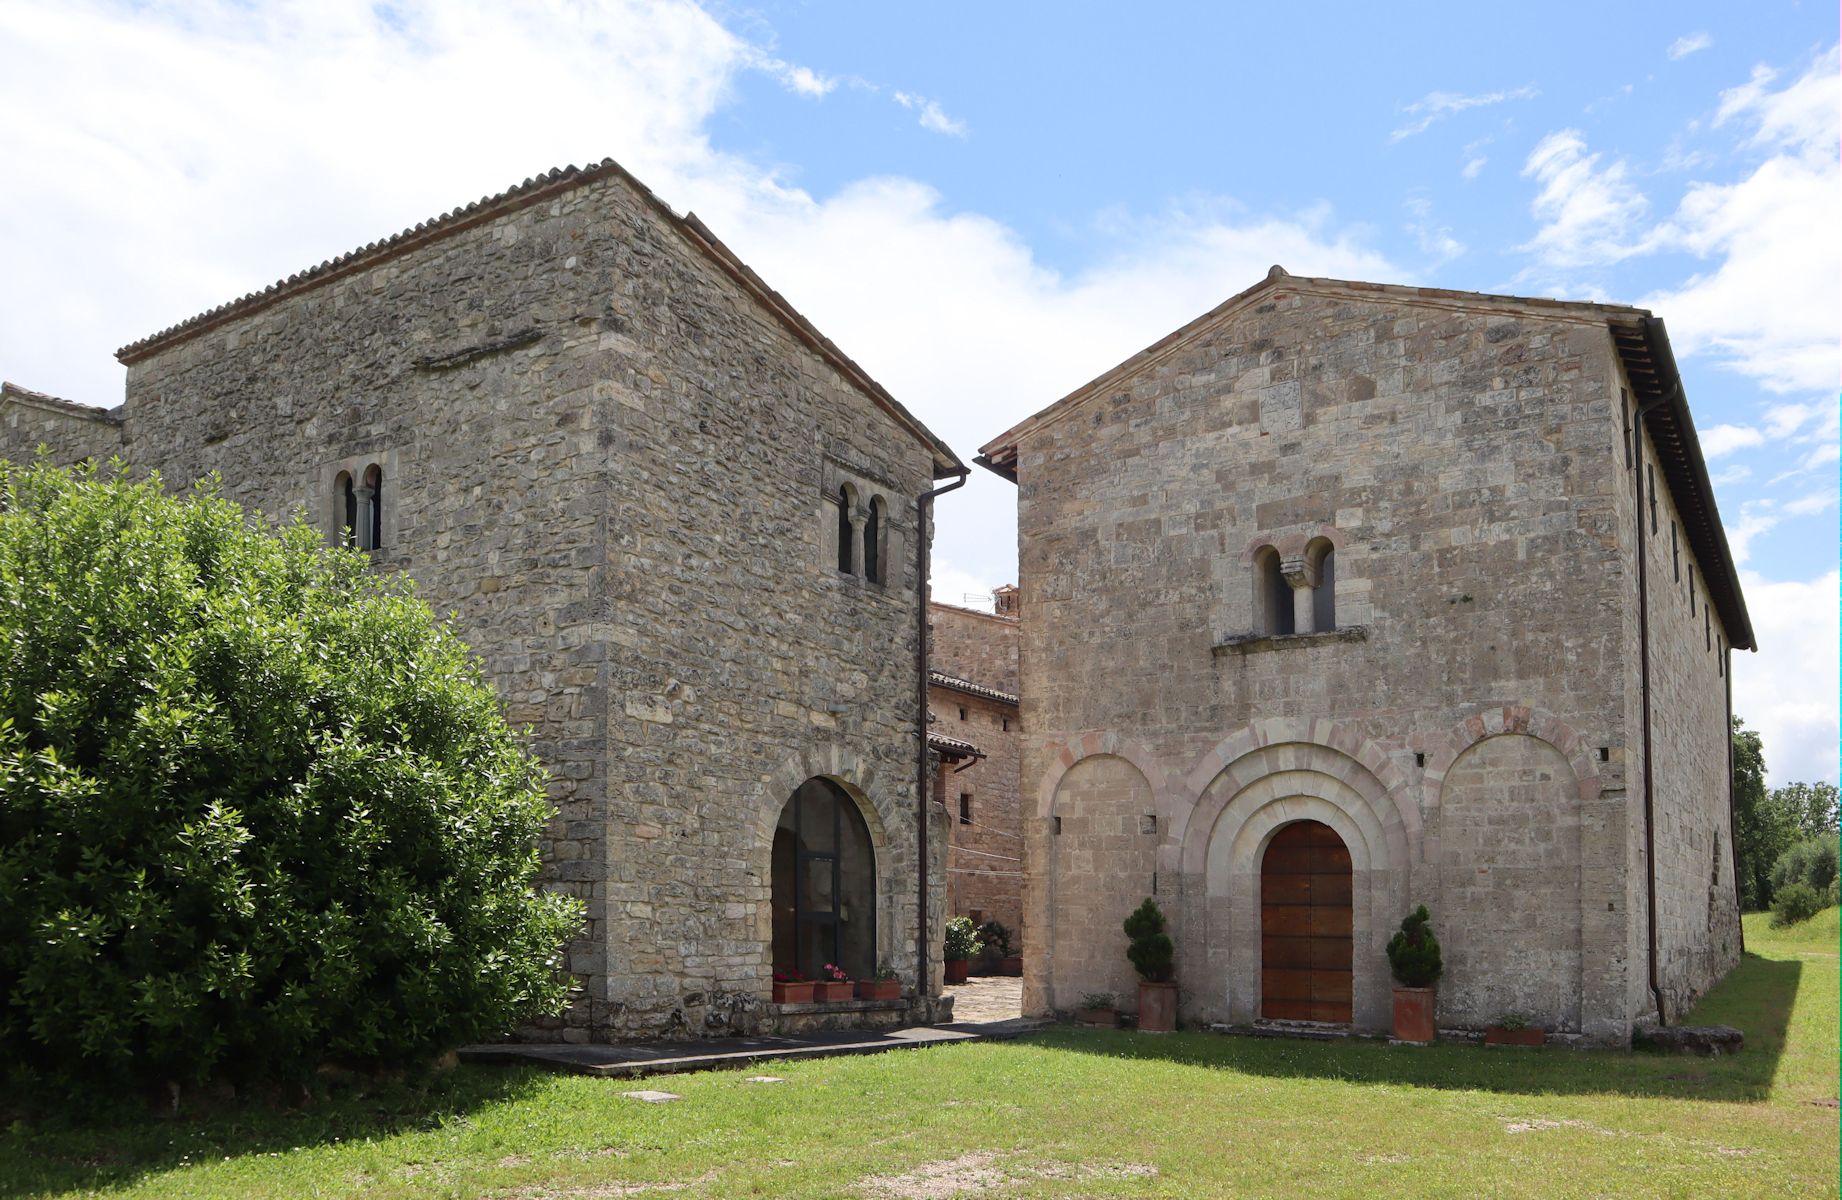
{"type": "Point", "coordinates": [986, 998]}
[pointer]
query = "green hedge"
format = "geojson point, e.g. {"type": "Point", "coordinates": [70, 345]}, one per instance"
{"type": "Point", "coordinates": [258, 810]}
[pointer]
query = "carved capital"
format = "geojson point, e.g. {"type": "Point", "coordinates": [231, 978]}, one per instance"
{"type": "Point", "coordinates": [1301, 572]}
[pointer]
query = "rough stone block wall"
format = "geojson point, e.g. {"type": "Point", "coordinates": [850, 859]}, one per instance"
{"type": "Point", "coordinates": [613, 468]}
{"type": "Point", "coordinates": [1698, 931]}
{"type": "Point", "coordinates": [70, 432]}
{"type": "Point", "coordinates": [1465, 458]}
{"type": "Point", "coordinates": [985, 870]}
{"type": "Point", "coordinates": [973, 645]}
{"type": "Point", "coordinates": [1098, 863]}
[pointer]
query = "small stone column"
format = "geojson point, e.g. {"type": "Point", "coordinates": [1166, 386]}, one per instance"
{"type": "Point", "coordinates": [367, 497]}
{"type": "Point", "coordinates": [1302, 574]}
{"type": "Point", "coordinates": [858, 564]}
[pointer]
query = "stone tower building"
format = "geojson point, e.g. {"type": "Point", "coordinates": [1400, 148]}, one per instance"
{"type": "Point", "coordinates": [1345, 598]}
{"type": "Point", "coordinates": [680, 528]}
{"type": "Point", "coordinates": [972, 693]}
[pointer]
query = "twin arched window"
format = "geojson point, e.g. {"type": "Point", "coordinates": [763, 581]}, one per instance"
{"type": "Point", "coordinates": [870, 549]}
{"type": "Point", "coordinates": [360, 508]}
{"type": "Point", "coordinates": [1295, 595]}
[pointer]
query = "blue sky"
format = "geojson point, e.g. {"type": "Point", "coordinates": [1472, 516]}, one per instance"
{"type": "Point", "coordinates": [986, 205]}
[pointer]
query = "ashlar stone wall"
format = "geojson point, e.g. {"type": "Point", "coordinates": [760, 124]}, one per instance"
{"type": "Point", "coordinates": [615, 467]}
{"type": "Point", "coordinates": [1465, 727]}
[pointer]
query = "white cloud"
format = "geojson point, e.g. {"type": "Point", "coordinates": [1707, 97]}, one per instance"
{"type": "Point", "coordinates": [800, 80]}
{"type": "Point", "coordinates": [1435, 240]}
{"type": "Point", "coordinates": [933, 117]}
{"type": "Point", "coordinates": [1436, 106]}
{"type": "Point", "coordinates": [1474, 167]}
{"type": "Point", "coordinates": [1689, 43]}
{"type": "Point", "coordinates": [1725, 439]}
{"type": "Point", "coordinates": [1787, 690]}
{"type": "Point", "coordinates": [1589, 212]}
{"type": "Point", "coordinates": [1767, 305]}
{"type": "Point", "coordinates": [153, 197]}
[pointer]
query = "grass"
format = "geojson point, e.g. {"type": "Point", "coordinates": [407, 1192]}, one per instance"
{"type": "Point", "coordinates": [1068, 1113]}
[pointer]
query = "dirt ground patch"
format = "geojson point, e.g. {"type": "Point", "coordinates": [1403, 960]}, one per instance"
{"type": "Point", "coordinates": [984, 1172]}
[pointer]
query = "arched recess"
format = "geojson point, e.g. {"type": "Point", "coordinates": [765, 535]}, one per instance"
{"type": "Point", "coordinates": [1064, 755]}
{"type": "Point", "coordinates": [824, 884]}
{"type": "Point", "coordinates": [1508, 872]}
{"type": "Point", "coordinates": [1262, 747]}
{"type": "Point", "coordinates": [1443, 749]}
{"type": "Point", "coordinates": [1225, 845]}
{"type": "Point", "coordinates": [1101, 862]}
{"type": "Point", "coordinates": [893, 859]}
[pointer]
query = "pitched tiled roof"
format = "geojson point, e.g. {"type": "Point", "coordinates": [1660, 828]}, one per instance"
{"type": "Point", "coordinates": [951, 748]}
{"type": "Point", "coordinates": [533, 191]}
{"type": "Point", "coordinates": [954, 683]}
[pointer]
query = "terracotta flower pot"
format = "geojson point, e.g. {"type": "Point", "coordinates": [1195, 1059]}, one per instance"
{"type": "Point", "coordinates": [1012, 966]}
{"type": "Point", "coordinates": [956, 970]}
{"type": "Point", "coordinates": [879, 989]}
{"type": "Point", "coordinates": [1413, 1014]}
{"type": "Point", "coordinates": [1099, 1018]}
{"type": "Point", "coordinates": [1157, 1007]}
{"type": "Point", "coordinates": [793, 993]}
{"type": "Point", "coordinates": [829, 991]}
{"type": "Point", "coordinates": [1496, 1035]}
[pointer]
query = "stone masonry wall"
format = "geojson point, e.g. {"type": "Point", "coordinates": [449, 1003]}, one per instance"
{"type": "Point", "coordinates": [71, 432]}
{"type": "Point", "coordinates": [1464, 460]}
{"type": "Point", "coordinates": [612, 466]}
{"type": "Point", "coordinates": [1698, 933]}
{"type": "Point", "coordinates": [985, 870]}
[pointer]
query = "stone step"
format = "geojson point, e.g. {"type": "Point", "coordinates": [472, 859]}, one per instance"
{"type": "Point", "coordinates": [1316, 1031]}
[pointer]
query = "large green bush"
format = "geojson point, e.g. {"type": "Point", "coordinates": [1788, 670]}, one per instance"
{"type": "Point", "coordinates": [258, 810]}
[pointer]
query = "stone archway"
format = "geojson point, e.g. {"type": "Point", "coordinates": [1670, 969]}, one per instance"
{"type": "Point", "coordinates": [824, 884]}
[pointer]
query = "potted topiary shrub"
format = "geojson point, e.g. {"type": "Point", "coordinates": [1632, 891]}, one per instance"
{"type": "Point", "coordinates": [834, 984]}
{"type": "Point", "coordinates": [790, 987]}
{"type": "Point", "coordinates": [1151, 952]}
{"type": "Point", "coordinates": [1413, 955]}
{"type": "Point", "coordinates": [1514, 1029]}
{"type": "Point", "coordinates": [886, 986]}
{"type": "Point", "coordinates": [1099, 1010]}
{"type": "Point", "coordinates": [997, 938]}
{"type": "Point", "coordinates": [961, 943]}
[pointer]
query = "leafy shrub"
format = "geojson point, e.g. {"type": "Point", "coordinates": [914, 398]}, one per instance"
{"type": "Point", "coordinates": [1413, 952]}
{"type": "Point", "coordinates": [257, 809]}
{"type": "Point", "coordinates": [996, 935]}
{"type": "Point", "coordinates": [1151, 950]}
{"type": "Point", "coordinates": [1796, 901]}
{"type": "Point", "coordinates": [1811, 861]}
{"type": "Point", "coordinates": [962, 939]}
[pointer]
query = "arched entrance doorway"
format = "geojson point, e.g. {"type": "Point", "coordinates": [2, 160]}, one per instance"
{"type": "Point", "coordinates": [1305, 925]}
{"type": "Point", "coordinates": [824, 884]}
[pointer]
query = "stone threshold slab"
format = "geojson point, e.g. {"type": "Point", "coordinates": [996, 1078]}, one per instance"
{"type": "Point", "coordinates": [639, 1059]}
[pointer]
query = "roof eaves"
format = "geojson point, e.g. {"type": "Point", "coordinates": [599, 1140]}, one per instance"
{"type": "Point", "coordinates": [89, 412]}
{"type": "Point", "coordinates": [1650, 366]}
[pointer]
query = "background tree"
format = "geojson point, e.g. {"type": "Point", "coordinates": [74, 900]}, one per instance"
{"type": "Point", "coordinates": [258, 810]}
{"type": "Point", "coordinates": [1760, 835]}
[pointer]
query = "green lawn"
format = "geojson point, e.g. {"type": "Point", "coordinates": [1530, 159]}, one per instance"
{"type": "Point", "coordinates": [1069, 1113]}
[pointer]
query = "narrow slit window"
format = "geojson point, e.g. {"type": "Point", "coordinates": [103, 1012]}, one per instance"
{"type": "Point", "coordinates": [1675, 552]}
{"type": "Point", "coordinates": [1691, 589]}
{"type": "Point", "coordinates": [1707, 630]}
{"type": "Point", "coordinates": [347, 499]}
{"type": "Point", "coordinates": [373, 529]}
{"type": "Point", "coordinates": [1272, 595]}
{"type": "Point", "coordinates": [1624, 410]}
{"type": "Point", "coordinates": [872, 542]}
{"type": "Point", "coordinates": [965, 808]}
{"type": "Point", "coordinates": [1650, 476]}
{"type": "Point", "coordinates": [846, 562]}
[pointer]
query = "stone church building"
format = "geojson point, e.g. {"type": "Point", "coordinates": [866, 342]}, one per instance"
{"type": "Point", "coordinates": [685, 534]}
{"type": "Point", "coordinates": [1345, 598]}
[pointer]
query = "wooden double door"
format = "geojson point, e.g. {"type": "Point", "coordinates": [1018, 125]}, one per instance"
{"type": "Point", "coordinates": [1305, 925]}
